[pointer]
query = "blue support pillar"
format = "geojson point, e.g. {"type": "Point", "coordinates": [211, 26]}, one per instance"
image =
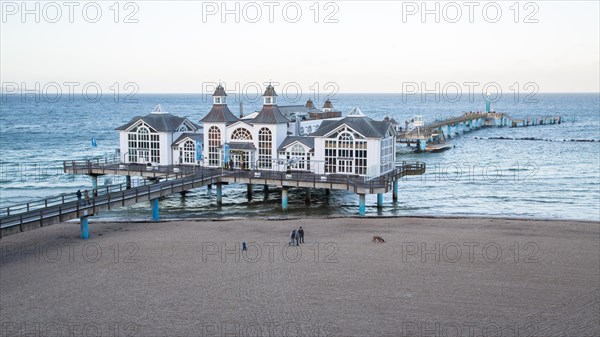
{"type": "Point", "coordinates": [448, 131]}
{"type": "Point", "coordinates": [395, 190]}
{"type": "Point", "coordinates": [219, 194]}
{"type": "Point", "coordinates": [379, 200]}
{"type": "Point", "coordinates": [154, 203]}
{"type": "Point", "coordinates": [94, 182]}
{"type": "Point", "coordinates": [128, 181]}
{"type": "Point", "coordinates": [83, 226]}
{"type": "Point", "coordinates": [362, 208]}
{"type": "Point", "coordinates": [284, 198]}
{"type": "Point", "coordinates": [422, 144]}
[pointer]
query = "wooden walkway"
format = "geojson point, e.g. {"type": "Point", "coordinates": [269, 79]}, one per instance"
{"type": "Point", "coordinates": [175, 179]}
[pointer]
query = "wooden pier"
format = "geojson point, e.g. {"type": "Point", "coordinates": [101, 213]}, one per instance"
{"type": "Point", "coordinates": [438, 131]}
{"type": "Point", "coordinates": [163, 181]}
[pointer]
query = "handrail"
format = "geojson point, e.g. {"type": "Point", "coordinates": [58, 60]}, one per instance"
{"type": "Point", "coordinates": [68, 203]}
{"type": "Point", "coordinates": [69, 197]}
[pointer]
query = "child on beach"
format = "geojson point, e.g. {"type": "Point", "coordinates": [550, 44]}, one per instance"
{"type": "Point", "coordinates": [301, 234]}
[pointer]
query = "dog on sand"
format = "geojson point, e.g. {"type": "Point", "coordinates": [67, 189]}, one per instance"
{"type": "Point", "coordinates": [378, 238]}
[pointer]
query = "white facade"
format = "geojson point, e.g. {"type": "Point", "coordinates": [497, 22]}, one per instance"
{"type": "Point", "coordinates": [354, 145]}
{"type": "Point", "coordinates": [149, 140]}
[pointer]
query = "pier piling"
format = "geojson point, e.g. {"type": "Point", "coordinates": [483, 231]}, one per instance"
{"type": "Point", "coordinates": [284, 198]}
{"type": "Point", "coordinates": [155, 215]}
{"type": "Point", "coordinates": [219, 194]}
{"type": "Point", "coordinates": [249, 191]}
{"type": "Point", "coordinates": [83, 227]}
{"type": "Point", "coordinates": [395, 190]}
{"type": "Point", "coordinates": [362, 208]}
{"type": "Point", "coordinates": [379, 200]}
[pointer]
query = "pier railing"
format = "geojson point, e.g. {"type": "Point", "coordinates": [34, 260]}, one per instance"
{"type": "Point", "coordinates": [104, 190]}
{"type": "Point", "coordinates": [66, 207]}
{"type": "Point", "coordinates": [99, 167]}
{"type": "Point", "coordinates": [43, 212]}
{"type": "Point", "coordinates": [299, 178]}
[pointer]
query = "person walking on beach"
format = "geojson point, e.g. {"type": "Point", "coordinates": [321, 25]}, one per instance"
{"type": "Point", "coordinates": [301, 234]}
{"type": "Point", "coordinates": [78, 194]}
{"type": "Point", "coordinates": [86, 197]}
{"type": "Point", "coordinates": [292, 236]}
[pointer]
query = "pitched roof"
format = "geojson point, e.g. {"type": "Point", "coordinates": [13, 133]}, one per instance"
{"type": "Point", "coordinates": [363, 125]}
{"type": "Point", "coordinates": [219, 113]}
{"type": "Point", "coordinates": [308, 141]}
{"type": "Point", "coordinates": [391, 120]}
{"type": "Point", "coordinates": [270, 114]}
{"type": "Point", "coordinates": [289, 110]}
{"type": "Point", "coordinates": [241, 146]}
{"type": "Point", "coordinates": [161, 122]}
{"type": "Point", "coordinates": [193, 136]}
{"type": "Point", "coordinates": [328, 104]}
{"type": "Point", "coordinates": [310, 104]}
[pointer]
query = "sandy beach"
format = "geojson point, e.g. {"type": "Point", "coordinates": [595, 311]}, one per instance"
{"type": "Point", "coordinates": [431, 277]}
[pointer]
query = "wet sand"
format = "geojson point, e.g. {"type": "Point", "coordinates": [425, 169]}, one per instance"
{"type": "Point", "coordinates": [431, 277]}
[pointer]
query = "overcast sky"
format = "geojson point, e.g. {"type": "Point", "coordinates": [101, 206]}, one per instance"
{"type": "Point", "coordinates": [361, 46]}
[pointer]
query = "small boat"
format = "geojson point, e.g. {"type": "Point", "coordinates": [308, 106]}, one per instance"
{"type": "Point", "coordinates": [438, 147]}
{"type": "Point", "coordinates": [437, 142]}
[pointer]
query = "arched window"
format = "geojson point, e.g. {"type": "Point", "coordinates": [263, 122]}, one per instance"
{"type": "Point", "coordinates": [241, 134]}
{"type": "Point", "coordinates": [182, 128]}
{"type": "Point", "coordinates": [346, 152]}
{"type": "Point", "coordinates": [297, 154]}
{"type": "Point", "coordinates": [144, 145]}
{"type": "Point", "coordinates": [214, 144]}
{"type": "Point", "coordinates": [265, 146]}
{"type": "Point", "coordinates": [188, 153]}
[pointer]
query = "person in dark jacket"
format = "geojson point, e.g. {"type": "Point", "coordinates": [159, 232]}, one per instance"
{"type": "Point", "coordinates": [292, 237]}
{"type": "Point", "coordinates": [301, 234]}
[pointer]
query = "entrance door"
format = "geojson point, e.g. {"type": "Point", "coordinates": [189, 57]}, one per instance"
{"type": "Point", "coordinates": [240, 159]}
{"type": "Point", "coordinates": [345, 166]}
{"type": "Point", "coordinates": [143, 156]}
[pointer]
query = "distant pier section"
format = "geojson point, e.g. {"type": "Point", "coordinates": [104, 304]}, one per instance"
{"type": "Point", "coordinates": [432, 136]}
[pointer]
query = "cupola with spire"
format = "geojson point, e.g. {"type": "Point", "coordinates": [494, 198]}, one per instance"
{"type": "Point", "coordinates": [310, 104]}
{"type": "Point", "coordinates": [270, 113]}
{"type": "Point", "coordinates": [220, 96]}
{"type": "Point", "coordinates": [327, 106]}
{"type": "Point", "coordinates": [219, 113]}
{"type": "Point", "coordinates": [270, 96]}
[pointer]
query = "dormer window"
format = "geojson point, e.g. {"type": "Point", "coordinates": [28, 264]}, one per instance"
{"type": "Point", "coordinates": [268, 100]}
{"type": "Point", "coordinates": [219, 99]}
{"type": "Point", "coordinates": [182, 128]}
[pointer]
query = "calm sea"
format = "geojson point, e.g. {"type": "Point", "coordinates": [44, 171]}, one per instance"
{"type": "Point", "coordinates": [554, 173]}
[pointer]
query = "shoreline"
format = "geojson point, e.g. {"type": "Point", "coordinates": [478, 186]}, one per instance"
{"type": "Point", "coordinates": [286, 218]}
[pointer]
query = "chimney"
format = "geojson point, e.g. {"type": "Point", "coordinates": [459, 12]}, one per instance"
{"type": "Point", "coordinates": [241, 109]}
